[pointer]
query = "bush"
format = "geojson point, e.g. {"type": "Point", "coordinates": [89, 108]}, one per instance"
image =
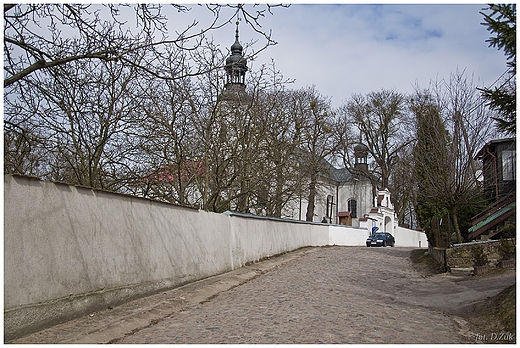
{"type": "Point", "coordinates": [509, 231]}
{"type": "Point", "coordinates": [479, 255]}
{"type": "Point", "coordinates": [506, 249]}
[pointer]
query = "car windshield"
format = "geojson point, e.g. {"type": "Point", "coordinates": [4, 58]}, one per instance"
{"type": "Point", "coordinates": [380, 235]}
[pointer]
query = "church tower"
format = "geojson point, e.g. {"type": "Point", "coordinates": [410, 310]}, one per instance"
{"type": "Point", "coordinates": [360, 156]}
{"type": "Point", "coordinates": [236, 64]}
{"type": "Point", "coordinates": [236, 68]}
{"type": "Point", "coordinates": [234, 128]}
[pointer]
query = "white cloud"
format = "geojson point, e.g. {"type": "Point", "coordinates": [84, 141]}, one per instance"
{"type": "Point", "coordinates": [346, 49]}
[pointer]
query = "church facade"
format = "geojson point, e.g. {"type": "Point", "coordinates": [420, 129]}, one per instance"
{"type": "Point", "coordinates": [348, 198]}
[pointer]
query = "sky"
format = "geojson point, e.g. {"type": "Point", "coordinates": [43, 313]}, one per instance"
{"type": "Point", "coordinates": [347, 49]}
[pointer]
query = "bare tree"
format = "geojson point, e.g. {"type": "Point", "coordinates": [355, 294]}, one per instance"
{"type": "Point", "coordinates": [404, 186]}
{"type": "Point", "coordinates": [168, 140]}
{"type": "Point", "coordinates": [83, 118]}
{"type": "Point", "coordinates": [21, 155]}
{"type": "Point", "coordinates": [239, 145]}
{"type": "Point", "coordinates": [470, 125]}
{"type": "Point", "coordinates": [68, 103]}
{"type": "Point", "coordinates": [178, 131]}
{"type": "Point", "coordinates": [279, 178]}
{"type": "Point", "coordinates": [41, 36]}
{"type": "Point", "coordinates": [384, 127]}
{"type": "Point", "coordinates": [317, 139]}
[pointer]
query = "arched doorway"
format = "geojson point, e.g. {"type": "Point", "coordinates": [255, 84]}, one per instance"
{"type": "Point", "coordinates": [388, 224]}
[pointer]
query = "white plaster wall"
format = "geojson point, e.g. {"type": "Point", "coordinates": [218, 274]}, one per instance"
{"type": "Point", "coordinates": [256, 238]}
{"type": "Point", "coordinates": [347, 236]}
{"type": "Point", "coordinates": [102, 248]}
{"type": "Point", "coordinates": [405, 237]}
{"type": "Point", "coordinates": [352, 236]}
{"type": "Point", "coordinates": [61, 240]}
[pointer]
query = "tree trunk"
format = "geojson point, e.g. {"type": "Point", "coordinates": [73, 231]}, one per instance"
{"type": "Point", "coordinates": [278, 205]}
{"type": "Point", "coordinates": [312, 195]}
{"type": "Point", "coordinates": [434, 223]}
{"type": "Point", "coordinates": [455, 221]}
{"type": "Point", "coordinates": [243, 197]}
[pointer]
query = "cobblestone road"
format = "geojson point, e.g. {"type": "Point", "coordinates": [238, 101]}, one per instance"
{"type": "Point", "coordinates": [325, 295]}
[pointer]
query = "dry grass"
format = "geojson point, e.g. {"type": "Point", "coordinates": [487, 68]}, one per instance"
{"type": "Point", "coordinates": [496, 315]}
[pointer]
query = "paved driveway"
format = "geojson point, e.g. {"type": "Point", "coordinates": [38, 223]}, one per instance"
{"type": "Point", "coordinates": [314, 295]}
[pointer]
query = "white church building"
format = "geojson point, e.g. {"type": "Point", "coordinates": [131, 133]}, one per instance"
{"type": "Point", "coordinates": [348, 198]}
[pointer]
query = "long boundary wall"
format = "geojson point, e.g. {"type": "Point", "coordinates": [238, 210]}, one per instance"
{"type": "Point", "coordinates": [406, 237]}
{"type": "Point", "coordinates": [72, 250]}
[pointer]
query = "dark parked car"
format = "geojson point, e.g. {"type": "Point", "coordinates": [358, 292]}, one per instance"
{"type": "Point", "coordinates": [381, 239]}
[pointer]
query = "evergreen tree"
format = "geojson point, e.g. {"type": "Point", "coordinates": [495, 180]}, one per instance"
{"type": "Point", "coordinates": [431, 157]}
{"type": "Point", "coordinates": [501, 23]}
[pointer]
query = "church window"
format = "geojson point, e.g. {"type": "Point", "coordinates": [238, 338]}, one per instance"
{"type": "Point", "coordinates": [352, 208]}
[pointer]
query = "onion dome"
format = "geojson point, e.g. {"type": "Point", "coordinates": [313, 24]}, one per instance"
{"type": "Point", "coordinates": [360, 150]}
{"type": "Point", "coordinates": [236, 64]}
